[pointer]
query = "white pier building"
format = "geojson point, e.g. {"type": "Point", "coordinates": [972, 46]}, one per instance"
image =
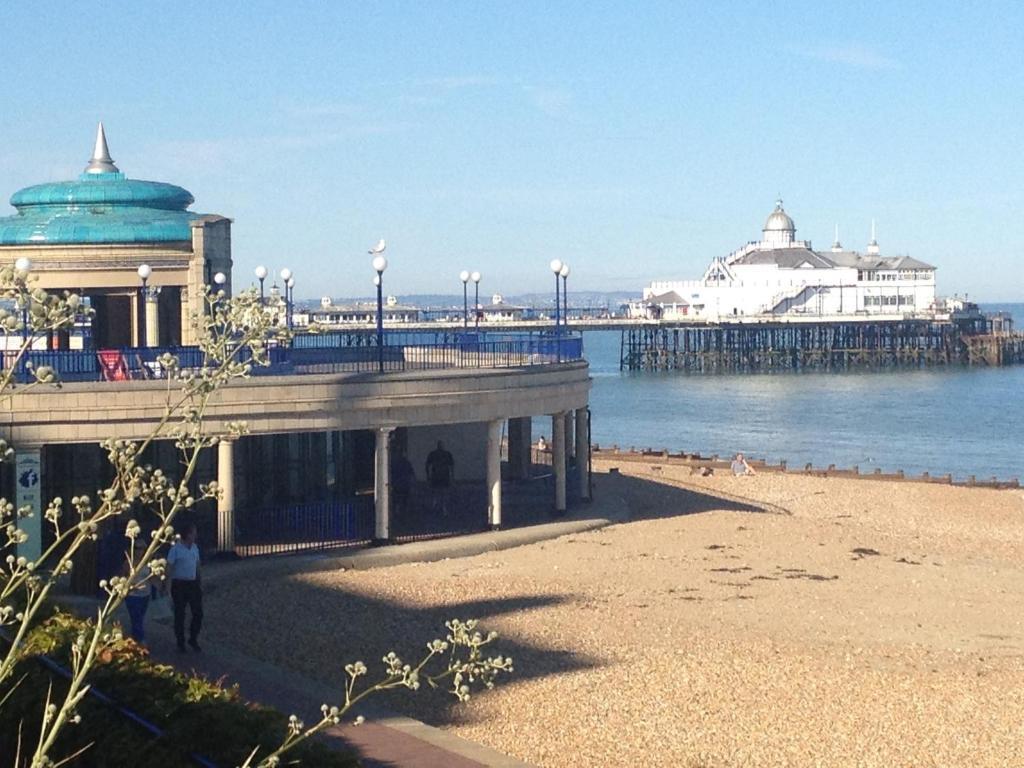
{"type": "Point", "coordinates": [780, 275]}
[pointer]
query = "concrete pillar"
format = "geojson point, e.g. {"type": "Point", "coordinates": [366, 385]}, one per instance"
{"type": "Point", "coordinates": [558, 460]}
{"type": "Point", "coordinates": [494, 473]}
{"type": "Point", "coordinates": [570, 434]}
{"type": "Point", "coordinates": [519, 447]}
{"type": "Point", "coordinates": [226, 502]}
{"type": "Point", "coordinates": [28, 483]}
{"type": "Point", "coordinates": [583, 452]}
{"type": "Point", "coordinates": [381, 487]}
{"type": "Point", "coordinates": [152, 317]}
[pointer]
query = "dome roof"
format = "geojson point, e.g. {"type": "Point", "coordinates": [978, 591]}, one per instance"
{"type": "Point", "coordinates": [102, 206]}
{"type": "Point", "coordinates": [778, 220]}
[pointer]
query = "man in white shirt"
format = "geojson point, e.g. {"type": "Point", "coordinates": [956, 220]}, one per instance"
{"type": "Point", "coordinates": [186, 588]}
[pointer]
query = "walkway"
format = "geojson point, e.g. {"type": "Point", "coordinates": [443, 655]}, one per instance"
{"type": "Point", "coordinates": [384, 740]}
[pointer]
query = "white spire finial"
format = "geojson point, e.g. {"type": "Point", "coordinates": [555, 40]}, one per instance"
{"type": "Point", "coordinates": [837, 246]}
{"type": "Point", "coordinates": [101, 162]}
{"type": "Point", "coordinates": [873, 245]}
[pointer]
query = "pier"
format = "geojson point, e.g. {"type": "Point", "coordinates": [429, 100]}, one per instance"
{"type": "Point", "coordinates": [819, 345]}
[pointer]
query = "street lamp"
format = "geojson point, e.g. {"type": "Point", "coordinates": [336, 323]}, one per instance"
{"type": "Point", "coordinates": [261, 275]}
{"type": "Point", "coordinates": [379, 264]}
{"type": "Point", "coordinates": [464, 277]}
{"type": "Point", "coordinates": [220, 278]}
{"type": "Point", "coordinates": [144, 271]}
{"type": "Point", "coordinates": [286, 275]}
{"type": "Point", "coordinates": [289, 288]}
{"type": "Point", "coordinates": [564, 272]}
{"type": "Point", "coordinates": [24, 264]}
{"type": "Point", "coordinates": [475, 277]}
{"type": "Point", "coordinates": [556, 267]}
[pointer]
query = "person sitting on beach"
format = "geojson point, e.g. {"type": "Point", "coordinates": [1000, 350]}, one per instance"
{"type": "Point", "coordinates": [542, 444]}
{"type": "Point", "coordinates": [740, 467]}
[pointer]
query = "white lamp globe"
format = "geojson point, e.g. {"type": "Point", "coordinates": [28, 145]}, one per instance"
{"type": "Point", "coordinates": [145, 271]}
{"type": "Point", "coordinates": [475, 277]}
{"type": "Point", "coordinates": [564, 271]}
{"type": "Point", "coordinates": [23, 264]}
{"type": "Point", "coordinates": [220, 278]}
{"type": "Point", "coordinates": [291, 282]}
{"type": "Point", "coordinates": [556, 266]}
{"type": "Point", "coordinates": [379, 263]}
{"type": "Point", "coordinates": [286, 274]}
{"type": "Point", "coordinates": [376, 280]}
{"type": "Point", "coordinates": [464, 276]}
{"type": "Point", "coordinates": [261, 273]}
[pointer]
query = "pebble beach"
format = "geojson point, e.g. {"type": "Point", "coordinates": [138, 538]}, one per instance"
{"type": "Point", "coordinates": [773, 620]}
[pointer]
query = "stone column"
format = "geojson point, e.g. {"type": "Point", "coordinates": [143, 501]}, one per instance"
{"type": "Point", "coordinates": [28, 484]}
{"type": "Point", "coordinates": [226, 502]}
{"type": "Point", "coordinates": [494, 474]}
{"type": "Point", "coordinates": [558, 460]}
{"type": "Point", "coordinates": [381, 487]}
{"type": "Point", "coordinates": [152, 317]}
{"type": "Point", "coordinates": [519, 447]}
{"type": "Point", "coordinates": [583, 451]}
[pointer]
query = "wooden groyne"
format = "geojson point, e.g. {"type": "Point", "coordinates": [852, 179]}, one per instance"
{"type": "Point", "coordinates": [715, 463]}
{"type": "Point", "coordinates": [826, 345]}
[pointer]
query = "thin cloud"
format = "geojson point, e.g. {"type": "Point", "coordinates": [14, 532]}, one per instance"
{"type": "Point", "coordinates": [857, 56]}
{"type": "Point", "coordinates": [552, 101]}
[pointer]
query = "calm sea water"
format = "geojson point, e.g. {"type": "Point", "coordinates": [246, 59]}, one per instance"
{"type": "Point", "coordinates": [961, 421]}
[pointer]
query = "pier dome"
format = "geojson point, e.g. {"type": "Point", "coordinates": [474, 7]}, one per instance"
{"type": "Point", "coordinates": [101, 206]}
{"type": "Point", "coordinates": [779, 229]}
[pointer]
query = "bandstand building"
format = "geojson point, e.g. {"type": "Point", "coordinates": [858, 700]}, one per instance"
{"type": "Point", "coordinates": [325, 423]}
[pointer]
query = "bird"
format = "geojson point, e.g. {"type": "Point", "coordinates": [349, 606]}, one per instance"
{"type": "Point", "coordinates": [378, 248]}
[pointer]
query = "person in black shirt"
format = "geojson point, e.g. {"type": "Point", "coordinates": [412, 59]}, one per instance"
{"type": "Point", "coordinates": [440, 476]}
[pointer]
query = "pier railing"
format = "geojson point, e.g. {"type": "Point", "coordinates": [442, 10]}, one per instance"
{"type": "Point", "coordinates": [337, 352]}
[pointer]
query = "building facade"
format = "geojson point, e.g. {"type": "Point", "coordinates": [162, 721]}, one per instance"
{"type": "Point", "coordinates": [326, 424]}
{"type": "Point", "coordinates": [780, 275]}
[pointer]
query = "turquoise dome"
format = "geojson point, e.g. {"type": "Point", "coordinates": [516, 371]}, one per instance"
{"type": "Point", "coordinates": [102, 206]}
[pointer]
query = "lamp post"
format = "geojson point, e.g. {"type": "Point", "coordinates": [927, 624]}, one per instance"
{"type": "Point", "coordinates": [289, 288]}
{"type": "Point", "coordinates": [24, 264]}
{"type": "Point", "coordinates": [476, 301]}
{"type": "Point", "coordinates": [464, 277]}
{"type": "Point", "coordinates": [379, 264]}
{"type": "Point", "coordinates": [144, 272]}
{"type": "Point", "coordinates": [556, 267]}
{"type": "Point", "coordinates": [564, 272]}
{"type": "Point", "coordinates": [286, 275]}
{"type": "Point", "coordinates": [220, 278]}
{"type": "Point", "coordinates": [261, 275]}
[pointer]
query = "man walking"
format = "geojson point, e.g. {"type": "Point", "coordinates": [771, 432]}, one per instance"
{"type": "Point", "coordinates": [440, 474]}
{"type": "Point", "coordinates": [186, 589]}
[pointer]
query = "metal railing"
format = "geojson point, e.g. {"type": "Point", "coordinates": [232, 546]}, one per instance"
{"type": "Point", "coordinates": [304, 527]}
{"type": "Point", "coordinates": [333, 352]}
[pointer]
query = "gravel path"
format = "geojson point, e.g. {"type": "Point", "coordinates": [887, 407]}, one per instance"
{"type": "Point", "coordinates": [867, 624]}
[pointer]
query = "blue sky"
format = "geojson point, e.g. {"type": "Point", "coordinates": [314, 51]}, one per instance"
{"type": "Point", "coordinates": [634, 140]}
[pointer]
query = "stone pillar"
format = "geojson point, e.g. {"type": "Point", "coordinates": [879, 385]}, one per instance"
{"type": "Point", "coordinates": [583, 451]}
{"type": "Point", "coordinates": [381, 487]}
{"type": "Point", "coordinates": [558, 460]}
{"type": "Point", "coordinates": [28, 484]}
{"type": "Point", "coordinates": [519, 447]}
{"type": "Point", "coordinates": [494, 474]}
{"type": "Point", "coordinates": [226, 502]}
{"type": "Point", "coordinates": [152, 317]}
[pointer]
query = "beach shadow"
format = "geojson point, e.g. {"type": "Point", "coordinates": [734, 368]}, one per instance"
{"type": "Point", "coordinates": [657, 499]}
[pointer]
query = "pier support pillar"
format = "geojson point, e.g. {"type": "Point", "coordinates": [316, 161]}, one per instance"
{"type": "Point", "coordinates": [583, 452]}
{"type": "Point", "coordinates": [519, 440]}
{"type": "Point", "coordinates": [226, 501]}
{"type": "Point", "coordinates": [558, 460]}
{"type": "Point", "coordinates": [382, 487]}
{"type": "Point", "coordinates": [494, 473]}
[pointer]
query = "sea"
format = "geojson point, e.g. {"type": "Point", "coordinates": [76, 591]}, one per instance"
{"type": "Point", "coordinates": [959, 421]}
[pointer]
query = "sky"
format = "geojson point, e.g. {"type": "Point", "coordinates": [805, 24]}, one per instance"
{"type": "Point", "coordinates": [635, 141]}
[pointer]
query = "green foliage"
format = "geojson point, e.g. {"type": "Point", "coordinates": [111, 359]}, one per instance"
{"type": "Point", "coordinates": [196, 714]}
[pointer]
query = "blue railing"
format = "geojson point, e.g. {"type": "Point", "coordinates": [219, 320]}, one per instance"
{"type": "Point", "coordinates": [332, 352]}
{"type": "Point", "coordinates": [304, 527]}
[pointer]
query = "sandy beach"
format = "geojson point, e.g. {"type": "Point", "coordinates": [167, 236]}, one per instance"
{"type": "Point", "coordinates": [769, 620]}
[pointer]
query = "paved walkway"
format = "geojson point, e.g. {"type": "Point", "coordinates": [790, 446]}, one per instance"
{"type": "Point", "coordinates": [384, 740]}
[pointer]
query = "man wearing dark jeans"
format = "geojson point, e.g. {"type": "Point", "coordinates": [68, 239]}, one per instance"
{"type": "Point", "coordinates": [186, 588]}
{"type": "Point", "coordinates": [440, 474]}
